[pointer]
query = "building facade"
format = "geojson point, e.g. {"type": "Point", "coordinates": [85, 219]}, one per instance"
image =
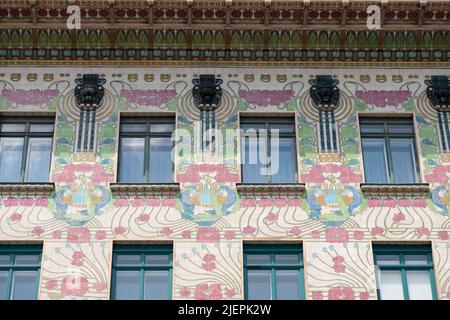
{"type": "Point", "coordinates": [345, 196]}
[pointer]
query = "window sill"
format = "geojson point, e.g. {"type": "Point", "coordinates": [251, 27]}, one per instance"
{"type": "Point", "coordinates": [163, 189]}
{"type": "Point", "coordinates": [410, 189]}
{"type": "Point", "coordinates": [31, 188]}
{"type": "Point", "coordinates": [269, 189]}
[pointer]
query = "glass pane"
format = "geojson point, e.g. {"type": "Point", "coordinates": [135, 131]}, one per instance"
{"type": "Point", "coordinates": [4, 259]}
{"type": "Point", "coordinates": [283, 161]}
{"type": "Point", "coordinates": [386, 260]}
{"type": "Point", "coordinates": [416, 259]}
{"type": "Point", "coordinates": [249, 126]}
{"type": "Point", "coordinates": [27, 259]}
{"type": "Point", "coordinates": [157, 259]}
{"type": "Point", "coordinates": [283, 128]}
{"type": "Point", "coordinates": [258, 258]}
{"type": "Point", "coordinates": [372, 128]}
{"type": "Point", "coordinates": [156, 285]}
{"type": "Point", "coordinates": [38, 159]}
{"type": "Point", "coordinates": [13, 127]}
{"type": "Point", "coordinates": [3, 284]}
{"type": "Point", "coordinates": [287, 284]}
{"type": "Point", "coordinates": [419, 286]}
{"type": "Point", "coordinates": [375, 163]}
{"type": "Point", "coordinates": [132, 160]}
{"type": "Point", "coordinates": [286, 258]}
{"type": "Point", "coordinates": [403, 161]}
{"type": "Point", "coordinates": [160, 160]}
{"type": "Point", "coordinates": [253, 150]}
{"type": "Point", "coordinates": [10, 159]}
{"type": "Point", "coordinates": [41, 128]}
{"type": "Point", "coordinates": [24, 285]}
{"type": "Point", "coordinates": [168, 127]}
{"type": "Point", "coordinates": [128, 259]}
{"type": "Point", "coordinates": [127, 285]}
{"type": "Point", "coordinates": [133, 128]}
{"type": "Point", "coordinates": [258, 285]}
{"type": "Point", "coordinates": [400, 128]}
{"type": "Point", "coordinates": [391, 287]}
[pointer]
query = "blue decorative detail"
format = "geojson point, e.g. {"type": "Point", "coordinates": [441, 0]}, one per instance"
{"type": "Point", "coordinates": [441, 198]}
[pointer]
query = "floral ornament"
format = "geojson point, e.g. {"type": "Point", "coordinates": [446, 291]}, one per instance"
{"type": "Point", "coordinates": [336, 235]}
{"type": "Point", "coordinates": [341, 293]}
{"type": "Point", "coordinates": [195, 172]}
{"type": "Point", "coordinates": [333, 203]}
{"type": "Point", "coordinates": [209, 262]}
{"type": "Point", "coordinates": [208, 292]}
{"type": "Point", "coordinates": [77, 258]}
{"type": "Point", "coordinates": [440, 197]}
{"type": "Point", "coordinates": [74, 286]}
{"type": "Point", "coordinates": [338, 265]}
{"type": "Point", "coordinates": [208, 235]}
{"type": "Point", "coordinates": [320, 173]}
{"type": "Point", "coordinates": [78, 235]}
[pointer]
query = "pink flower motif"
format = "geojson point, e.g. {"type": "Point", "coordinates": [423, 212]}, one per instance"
{"type": "Point", "coordinates": [56, 234]}
{"type": "Point", "coordinates": [229, 235]}
{"type": "Point", "coordinates": [148, 97]}
{"type": "Point", "coordinates": [208, 266]}
{"type": "Point", "coordinates": [443, 235]}
{"type": "Point", "coordinates": [280, 202]}
{"type": "Point", "coordinates": [404, 202]}
{"type": "Point", "coordinates": [41, 202]}
{"type": "Point", "coordinates": [11, 202]}
{"type": "Point", "coordinates": [143, 217]}
{"type": "Point", "coordinates": [419, 203]}
{"type": "Point", "coordinates": [208, 292]}
{"type": "Point", "coordinates": [364, 295]}
{"type": "Point", "coordinates": [100, 286]}
{"type": "Point", "coordinates": [264, 202]}
{"type": "Point", "coordinates": [186, 234]}
{"type": "Point", "coordinates": [100, 235]}
{"type": "Point", "coordinates": [271, 217]}
{"type": "Point", "coordinates": [121, 202]}
{"type": "Point", "coordinates": [383, 98]}
{"type": "Point", "coordinates": [169, 202]}
{"type": "Point", "coordinates": [78, 235]}
{"type": "Point", "coordinates": [338, 264]}
{"type": "Point", "coordinates": [38, 231]}
{"type": "Point", "coordinates": [439, 175]}
{"type": "Point", "coordinates": [317, 295]}
{"type": "Point", "coordinates": [389, 203]}
{"type": "Point", "coordinates": [377, 231]}
{"type": "Point", "coordinates": [119, 230]}
{"type": "Point", "coordinates": [153, 202]}
{"type": "Point", "coordinates": [249, 230]}
{"type": "Point", "coordinates": [423, 231]}
{"type": "Point", "coordinates": [208, 234]}
{"type": "Point", "coordinates": [372, 203]}
{"type": "Point", "coordinates": [296, 202]}
{"type": "Point", "coordinates": [266, 98]}
{"type": "Point", "coordinates": [166, 231]}
{"type": "Point", "coordinates": [222, 173]}
{"type": "Point", "coordinates": [341, 293]}
{"type": "Point", "coordinates": [51, 284]}
{"type": "Point", "coordinates": [26, 202]}
{"type": "Point", "coordinates": [230, 292]}
{"type": "Point", "coordinates": [399, 217]}
{"type": "Point", "coordinates": [16, 217]}
{"type": "Point", "coordinates": [315, 234]}
{"type": "Point", "coordinates": [74, 286]}
{"type": "Point", "coordinates": [358, 235]}
{"type": "Point", "coordinates": [185, 292]}
{"type": "Point", "coordinates": [77, 258]}
{"type": "Point", "coordinates": [137, 202]}
{"type": "Point", "coordinates": [296, 231]}
{"type": "Point", "coordinates": [245, 203]}
{"type": "Point", "coordinates": [30, 96]}
{"type": "Point", "coordinates": [336, 235]}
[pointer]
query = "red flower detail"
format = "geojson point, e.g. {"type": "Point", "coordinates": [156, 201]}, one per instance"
{"type": "Point", "coordinates": [230, 292]}
{"type": "Point", "coordinates": [229, 235]}
{"type": "Point", "coordinates": [119, 230]}
{"type": "Point", "coordinates": [100, 286]}
{"type": "Point", "coordinates": [208, 292]}
{"type": "Point", "coordinates": [26, 202]}
{"type": "Point", "coordinates": [209, 266]}
{"type": "Point", "coordinates": [78, 235]}
{"type": "Point", "coordinates": [56, 234]}
{"type": "Point", "coordinates": [280, 202]}
{"type": "Point", "coordinates": [404, 202]}
{"type": "Point", "coordinates": [222, 173]}
{"type": "Point", "coordinates": [264, 202]}
{"type": "Point", "coordinates": [143, 217]}
{"type": "Point", "coordinates": [166, 231]}
{"type": "Point", "coordinates": [51, 284]}
{"type": "Point", "coordinates": [153, 202]}
{"type": "Point", "coordinates": [376, 231]}
{"type": "Point", "coordinates": [336, 235]}
{"type": "Point", "coordinates": [423, 231]}
{"type": "Point", "coordinates": [443, 235]}
{"type": "Point", "coordinates": [208, 234]}
{"type": "Point", "coordinates": [315, 234]}
{"type": "Point", "coordinates": [38, 231]}
{"type": "Point", "coordinates": [169, 202]}
{"type": "Point", "coordinates": [16, 217]}
{"type": "Point", "coordinates": [343, 293]}
{"type": "Point", "coordinates": [41, 202]}
{"type": "Point", "coordinates": [138, 202]}
{"type": "Point", "coordinates": [185, 292]}
{"type": "Point", "coordinates": [358, 235]}
{"type": "Point", "coordinates": [249, 230]}
{"type": "Point", "coordinates": [296, 231]}
{"type": "Point", "coordinates": [77, 258]}
{"type": "Point", "coordinates": [272, 217]}
{"type": "Point", "coordinates": [371, 203]}
{"type": "Point", "coordinates": [10, 202]}
{"type": "Point", "coordinates": [74, 286]}
{"type": "Point", "coordinates": [364, 295]}
{"type": "Point", "coordinates": [100, 235]}
{"type": "Point", "coordinates": [419, 203]}
{"type": "Point", "coordinates": [121, 202]}
{"type": "Point", "coordinates": [317, 295]}
{"type": "Point", "coordinates": [389, 203]}
{"type": "Point", "coordinates": [248, 203]}
{"type": "Point", "coordinates": [399, 217]}
{"type": "Point", "coordinates": [338, 264]}
{"type": "Point", "coordinates": [186, 234]}
{"type": "Point", "coordinates": [295, 202]}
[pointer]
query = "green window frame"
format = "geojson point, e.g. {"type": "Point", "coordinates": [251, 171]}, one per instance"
{"type": "Point", "coordinates": [269, 123]}
{"type": "Point", "coordinates": [387, 135]}
{"type": "Point", "coordinates": [144, 128]}
{"type": "Point", "coordinates": [143, 264]}
{"type": "Point", "coordinates": [30, 129]}
{"type": "Point", "coordinates": [272, 252]}
{"type": "Point", "coordinates": [10, 267]}
{"type": "Point", "coordinates": [404, 256]}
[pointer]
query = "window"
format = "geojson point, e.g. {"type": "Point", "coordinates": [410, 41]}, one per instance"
{"type": "Point", "coordinates": [389, 150]}
{"type": "Point", "coordinates": [273, 272]}
{"type": "Point", "coordinates": [25, 149]}
{"type": "Point", "coordinates": [404, 272]}
{"type": "Point", "coordinates": [142, 272]}
{"type": "Point", "coordinates": [266, 159]}
{"type": "Point", "coordinates": [19, 272]}
{"type": "Point", "coordinates": [146, 150]}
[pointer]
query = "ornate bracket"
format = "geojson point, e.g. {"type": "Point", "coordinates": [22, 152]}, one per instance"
{"type": "Point", "coordinates": [438, 92]}
{"type": "Point", "coordinates": [324, 92]}
{"type": "Point", "coordinates": [207, 92]}
{"type": "Point", "coordinates": [89, 91]}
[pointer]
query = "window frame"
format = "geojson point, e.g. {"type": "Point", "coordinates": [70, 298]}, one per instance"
{"type": "Point", "coordinates": [267, 121]}
{"type": "Point", "coordinates": [12, 251]}
{"type": "Point", "coordinates": [386, 136]}
{"type": "Point", "coordinates": [272, 250]}
{"type": "Point", "coordinates": [401, 251]}
{"type": "Point", "coordinates": [143, 250]}
{"type": "Point", "coordinates": [147, 135]}
{"type": "Point", "coordinates": [26, 135]}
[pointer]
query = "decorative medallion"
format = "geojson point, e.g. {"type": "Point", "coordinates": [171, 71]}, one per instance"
{"type": "Point", "coordinates": [324, 92]}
